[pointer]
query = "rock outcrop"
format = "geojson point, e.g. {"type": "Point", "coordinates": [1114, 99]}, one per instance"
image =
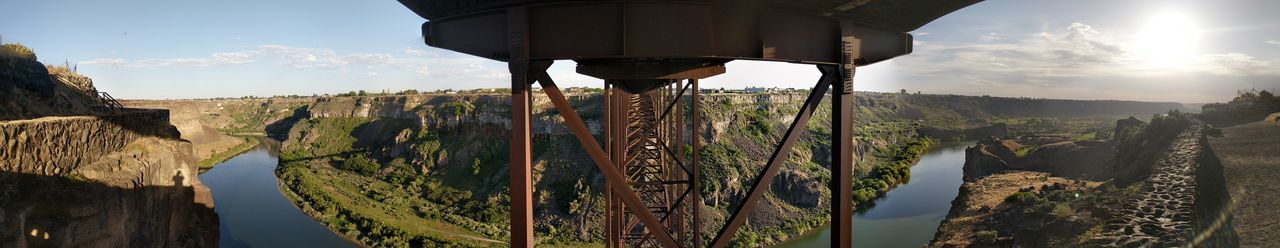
{"type": "Point", "coordinates": [1056, 155]}
{"type": "Point", "coordinates": [121, 180]}
{"type": "Point", "coordinates": [30, 91]}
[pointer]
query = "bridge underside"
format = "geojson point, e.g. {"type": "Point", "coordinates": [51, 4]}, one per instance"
{"type": "Point", "coordinates": [650, 63]}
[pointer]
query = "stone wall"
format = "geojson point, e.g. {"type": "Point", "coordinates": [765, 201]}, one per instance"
{"type": "Point", "coordinates": [57, 145]}
{"type": "Point", "coordinates": [118, 180]}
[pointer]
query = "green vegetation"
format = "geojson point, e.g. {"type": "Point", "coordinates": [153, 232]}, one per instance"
{"type": "Point", "coordinates": [248, 144]}
{"type": "Point", "coordinates": [1025, 150]}
{"type": "Point", "coordinates": [986, 236]}
{"type": "Point", "coordinates": [360, 165]}
{"type": "Point", "coordinates": [386, 201]}
{"type": "Point", "coordinates": [884, 177]}
{"type": "Point", "coordinates": [330, 136]}
{"type": "Point", "coordinates": [380, 214]}
{"type": "Point", "coordinates": [1086, 137]}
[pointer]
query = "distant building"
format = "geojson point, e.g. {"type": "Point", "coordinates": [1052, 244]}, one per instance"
{"type": "Point", "coordinates": [761, 89]}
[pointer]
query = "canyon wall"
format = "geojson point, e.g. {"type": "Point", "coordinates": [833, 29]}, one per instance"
{"type": "Point", "coordinates": [118, 180]}
{"type": "Point", "coordinates": [76, 173]}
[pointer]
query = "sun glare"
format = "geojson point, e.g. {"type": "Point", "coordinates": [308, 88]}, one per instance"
{"type": "Point", "coordinates": [1168, 40]}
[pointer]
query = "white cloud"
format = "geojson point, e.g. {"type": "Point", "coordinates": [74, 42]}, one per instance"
{"type": "Point", "coordinates": [1273, 42]}
{"type": "Point", "coordinates": [1078, 61]}
{"type": "Point", "coordinates": [422, 63]}
{"type": "Point", "coordinates": [369, 58]}
{"type": "Point", "coordinates": [304, 58]}
{"type": "Point", "coordinates": [419, 52]}
{"type": "Point", "coordinates": [112, 62]}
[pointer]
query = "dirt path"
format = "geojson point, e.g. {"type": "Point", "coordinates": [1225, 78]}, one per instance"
{"type": "Point", "coordinates": [1250, 156]}
{"type": "Point", "coordinates": [1161, 215]}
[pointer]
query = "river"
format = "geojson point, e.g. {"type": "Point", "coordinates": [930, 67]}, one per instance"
{"type": "Point", "coordinates": [252, 210]}
{"type": "Point", "coordinates": [908, 215]}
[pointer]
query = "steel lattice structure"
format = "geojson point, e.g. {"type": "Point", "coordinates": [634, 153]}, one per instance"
{"type": "Point", "coordinates": [650, 55]}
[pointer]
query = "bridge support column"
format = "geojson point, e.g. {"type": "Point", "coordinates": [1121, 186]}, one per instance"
{"type": "Point", "coordinates": [521, 167]}
{"type": "Point", "coordinates": [842, 137]}
{"type": "Point", "coordinates": [842, 158]}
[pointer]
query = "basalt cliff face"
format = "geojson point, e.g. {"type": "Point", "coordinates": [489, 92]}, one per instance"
{"type": "Point", "coordinates": [74, 174]}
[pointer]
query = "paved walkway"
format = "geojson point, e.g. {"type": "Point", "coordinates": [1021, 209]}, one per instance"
{"type": "Point", "coordinates": [1250, 156]}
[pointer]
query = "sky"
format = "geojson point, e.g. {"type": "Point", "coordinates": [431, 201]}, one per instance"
{"type": "Point", "coordinates": [1147, 50]}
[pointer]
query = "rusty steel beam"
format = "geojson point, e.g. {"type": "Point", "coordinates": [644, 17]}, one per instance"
{"type": "Point", "coordinates": [842, 136]}
{"type": "Point", "coordinates": [671, 105]}
{"type": "Point", "coordinates": [697, 190]}
{"type": "Point", "coordinates": [780, 154]}
{"type": "Point", "coordinates": [521, 161]}
{"type": "Point", "coordinates": [579, 129]}
{"type": "Point", "coordinates": [841, 157]}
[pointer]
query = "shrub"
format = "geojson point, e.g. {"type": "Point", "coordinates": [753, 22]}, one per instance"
{"type": "Point", "coordinates": [16, 50]}
{"type": "Point", "coordinates": [986, 236]}
{"type": "Point", "coordinates": [1022, 198]}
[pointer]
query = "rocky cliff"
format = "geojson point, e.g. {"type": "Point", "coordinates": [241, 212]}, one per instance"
{"type": "Point", "coordinates": [30, 90]}
{"type": "Point", "coordinates": [74, 174]}
{"type": "Point", "coordinates": [121, 180]}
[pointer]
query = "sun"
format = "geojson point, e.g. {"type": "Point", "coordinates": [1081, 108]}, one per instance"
{"type": "Point", "coordinates": [1168, 40]}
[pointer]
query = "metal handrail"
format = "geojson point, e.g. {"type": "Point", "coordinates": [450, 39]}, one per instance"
{"type": "Point", "coordinates": [109, 102]}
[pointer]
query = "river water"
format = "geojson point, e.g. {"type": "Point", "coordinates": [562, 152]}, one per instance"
{"type": "Point", "coordinates": [252, 210]}
{"type": "Point", "coordinates": [908, 215]}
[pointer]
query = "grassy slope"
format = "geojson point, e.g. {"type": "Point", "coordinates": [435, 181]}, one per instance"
{"type": "Point", "coordinates": [248, 144]}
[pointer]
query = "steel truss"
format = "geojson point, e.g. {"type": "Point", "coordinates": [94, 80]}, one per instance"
{"type": "Point", "coordinates": [651, 181]}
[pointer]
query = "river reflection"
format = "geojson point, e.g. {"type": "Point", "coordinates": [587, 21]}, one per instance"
{"type": "Point", "coordinates": [908, 215]}
{"type": "Point", "coordinates": [252, 210]}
